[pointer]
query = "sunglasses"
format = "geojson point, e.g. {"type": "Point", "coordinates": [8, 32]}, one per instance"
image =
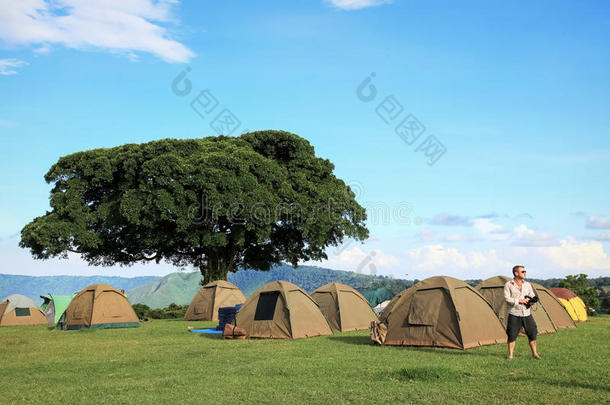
{"type": "Point", "coordinates": [524, 271]}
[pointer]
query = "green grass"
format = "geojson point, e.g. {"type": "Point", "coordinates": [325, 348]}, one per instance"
{"type": "Point", "coordinates": [161, 362]}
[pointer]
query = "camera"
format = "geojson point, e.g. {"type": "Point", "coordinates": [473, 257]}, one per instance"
{"type": "Point", "coordinates": [531, 301]}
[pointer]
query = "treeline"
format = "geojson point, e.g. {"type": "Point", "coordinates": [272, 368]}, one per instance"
{"type": "Point", "coordinates": [309, 278]}
{"type": "Point", "coordinates": [548, 283]}
{"type": "Point", "coordinates": [598, 283]}
{"type": "Point", "coordinates": [172, 311]}
{"type": "Point", "coordinates": [375, 289]}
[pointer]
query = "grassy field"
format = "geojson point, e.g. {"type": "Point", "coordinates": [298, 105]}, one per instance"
{"type": "Point", "coordinates": [162, 362]}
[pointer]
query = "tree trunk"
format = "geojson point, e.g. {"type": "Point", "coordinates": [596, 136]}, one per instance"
{"type": "Point", "coordinates": [215, 268]}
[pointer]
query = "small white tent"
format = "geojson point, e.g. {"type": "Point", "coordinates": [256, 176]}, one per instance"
{"type": "Point", "coordinates": [380, 307]}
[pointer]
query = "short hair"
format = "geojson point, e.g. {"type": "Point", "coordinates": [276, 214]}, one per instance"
{"type": "Point", "coordinates": [517, 267]}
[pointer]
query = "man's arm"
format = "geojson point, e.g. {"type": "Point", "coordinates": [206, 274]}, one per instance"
{"type": "Point", "coordinates": [510, 300]}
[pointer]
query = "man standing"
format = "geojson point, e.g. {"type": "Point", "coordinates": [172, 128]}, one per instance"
{"type": "Point", "coordinates": [519, 315]}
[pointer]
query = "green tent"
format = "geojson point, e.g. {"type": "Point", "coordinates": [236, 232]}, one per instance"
{"type": "Point", "coordinates": [54, 306]}
{"type": "Point", "coordinates": [376, 297]}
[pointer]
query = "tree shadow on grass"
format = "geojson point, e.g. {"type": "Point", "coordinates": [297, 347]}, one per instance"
{"type": "Point", "coordinates": [455, 352]}
{"type": "Point", "coordinates": [353, 340]}
{"type": "Point", "coordinates": [601, 386]}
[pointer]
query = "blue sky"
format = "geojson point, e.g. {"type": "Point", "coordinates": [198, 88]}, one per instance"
{"type": "Point", "coordinates": [517, 94]}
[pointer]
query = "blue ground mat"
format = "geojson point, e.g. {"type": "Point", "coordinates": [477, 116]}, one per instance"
{"type": "Point", "coordinates": [211, 330]}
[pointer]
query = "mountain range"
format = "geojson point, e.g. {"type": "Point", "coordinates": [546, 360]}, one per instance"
{"type": "Point", "coordinates": [180, 287]}
{"type": "Point", "coordinates": [35, 286]}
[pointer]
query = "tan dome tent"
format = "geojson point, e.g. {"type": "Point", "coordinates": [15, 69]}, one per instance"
{"type": "Point", "coordinates": [281, 310]}
{"type": "Point", "coordinates": [98, 306]}
{"type": "Point", "coordinates": [441, 311]}
{"type": "Point", "coordinates": [205, 304]}
{"type": "Point", "coordinates": [572, 303]}
{"type": "Point", "coordinates": [492, 290]}
{"type": "Point", "coordinates": [559, 315]}
{"type": "Point", "coordinates": [345, 308]}
{"type": "Point", "coordinates": [19, 310]}
{"type": "Point", "coordinates": [390, 304]}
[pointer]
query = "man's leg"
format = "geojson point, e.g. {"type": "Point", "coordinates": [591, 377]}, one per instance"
{"type": "Point", "coordinates": [513, 325]}
{"type": "Point", "coordinates": [532, 332]}
{"type": "Point", "coordinates": [534, 351]}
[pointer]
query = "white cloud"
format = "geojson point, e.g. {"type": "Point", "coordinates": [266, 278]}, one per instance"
{"type": "Point", "coordinates": [42, 50]}
{"type": "Point", "coordinates": [9, 66]}
{"type": "Point", "coordinates": [598, 223]}
{"type": "Point", "coordinates": [486, 225]}
{"type": "Point", "coordinates": [433, 260]}
{"type": "Point", "coordinates": [450, 220]}
{"type": "Point", "coordinates": [460, 238]}
{"type": "Point", "coordinates": [528, 237]}
{"type": "Point", "coordinates": [604, 236]}
{"type": "Point", "coordinates": [426, 235]}
{"type": "Point", "coordinates": [16, 260]}
{"type": "Point", "coordinates": [432, 257]}
{"type": "Point", "coordinates": [490, 230]}
{"type": "Point", "coordinates": [569, 257]}
{"type": "Point", "coordinates": [357, 4]}
{"type": "Point", "coordinates": [488, 262]}
{"type": "Point", "coordinates": [579, 255]}
{"type": "Point", "coordinates": [126, 26]}
{"type": "Point", "coordinates": [358, 260]}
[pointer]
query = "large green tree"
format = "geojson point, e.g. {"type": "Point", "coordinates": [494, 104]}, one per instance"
{"type": "Point", "coordinates": [216, 203]}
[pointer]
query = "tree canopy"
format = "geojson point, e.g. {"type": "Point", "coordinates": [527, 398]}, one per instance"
{"type": "Point", "coordinates": [217, 203]}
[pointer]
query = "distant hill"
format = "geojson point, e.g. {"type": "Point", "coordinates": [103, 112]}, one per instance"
{"type": "Point", "coordinates": [180, 288]}
{"type": "Point", "coordinates": [177, 288]}
{"type": "Point", "coordinates": [311, 277]}
{"type": "Point", "coordinates": [35, 286]}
